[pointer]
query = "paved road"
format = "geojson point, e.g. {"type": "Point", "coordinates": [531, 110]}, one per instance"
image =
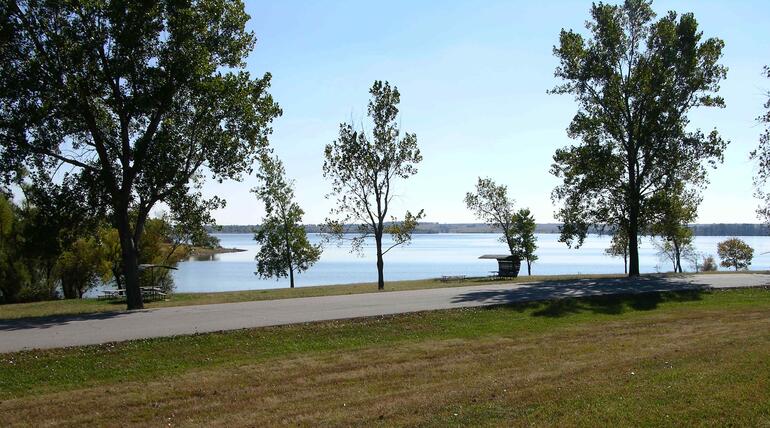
{"type": "Point", "coordinates": [60, 331]}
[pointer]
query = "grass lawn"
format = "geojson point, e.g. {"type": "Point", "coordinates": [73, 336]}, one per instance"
{"type": "Point", "coordinates": [677, 359]}
{"type": "Point", "coordinates": [84, 306]}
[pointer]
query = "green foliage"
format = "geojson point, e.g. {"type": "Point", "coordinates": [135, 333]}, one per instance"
{"type": "Point", "coordinates": [362, 169]}
{"type": "Point", "coordinates": [619, 247]}
{"type": "Point", "coordinates": [676, 207]}
{"type": "Point", "coordinates": [635, 79]}
{"type": "Point", "coordinates": [82, 267]}
{"type": "Point", "coordinates": [735, 253]}
{"type": "Point", "coordinates": [284, 247]}
{"type": "Point", "coordinates": [13, 273]}
{"type": "Point", "coordinates": [761, 155]}
{"type": "Point", "coordinates": [491, 204]}
{"type": "Point", "coordinates": [138, 97]}
{"type": "Point", "coordinates": [525, 240]}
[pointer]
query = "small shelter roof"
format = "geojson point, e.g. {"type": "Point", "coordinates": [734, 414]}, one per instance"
{"type": "Point", "coordinates": [495, 256]}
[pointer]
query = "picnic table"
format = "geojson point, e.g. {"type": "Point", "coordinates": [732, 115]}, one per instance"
{"type": "Point", "coordinates": [150, 293]}
{"type": "Point", "coordinates": [448, 278]}
{"type": "Point", "coordinates": [112, 294]}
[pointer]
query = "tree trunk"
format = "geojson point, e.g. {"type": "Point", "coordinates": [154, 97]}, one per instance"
{"type": "Point", "coordinates": [633, 247]}
{"type": "Point", "coordinates": [529, 267]}
{"type": "Point", "coordinates": [286, 234]}
{"type": "Point", "coordinates": [678, 255]}
{"type": "Point", "coordinates": [380, 263]}
{"type": "Point", "coordinates": [68, 290]}
{"type": "Point", "coordinates": [625, 264]}
{"type": "Point", "coordinates": [633, 197]}
{"type": "Point", "coordinates": [130, 258]}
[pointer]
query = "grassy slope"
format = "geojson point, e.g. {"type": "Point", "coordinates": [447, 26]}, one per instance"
{"type": "Point", "coordinates": [82, 306]}
{"type": "Point", "coordinates": [658, 359]}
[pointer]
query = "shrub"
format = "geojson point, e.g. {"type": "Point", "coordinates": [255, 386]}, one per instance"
{"type": "Point", "coordinates": [709, 264]}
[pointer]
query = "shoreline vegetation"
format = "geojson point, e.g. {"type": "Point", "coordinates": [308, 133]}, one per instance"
{"type": "Point", "coordinates": [204, 252]}
{"type": "Point", "coordinates": [68, 307]}
{"type": "Point", "coordinates": [706, 229]}
{"type": "Point", "coordinates": [679, 356]}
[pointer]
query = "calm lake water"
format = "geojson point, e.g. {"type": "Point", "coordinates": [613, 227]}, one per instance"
{"type": "Point", "coordinates": [428, 256]}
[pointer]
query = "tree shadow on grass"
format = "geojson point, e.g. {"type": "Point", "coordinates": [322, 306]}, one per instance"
{"type": "Point", "coordinates": [600, 296]}
{"type": "Point", "coordinates": [605, 305]}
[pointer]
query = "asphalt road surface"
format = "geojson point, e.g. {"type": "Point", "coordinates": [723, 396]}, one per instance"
{"type": "Point", "coordinates": [75, 330]}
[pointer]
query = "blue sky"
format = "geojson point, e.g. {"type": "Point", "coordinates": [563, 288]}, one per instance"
{"type": "Point", "coordinates": [473, 78]}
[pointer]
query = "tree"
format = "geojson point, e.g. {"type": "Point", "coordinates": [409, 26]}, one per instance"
{"type": "Point", "coordinates": [525, 240]}
{"type": "Point", "coordinates": [13, 273]}
{"type": "Point", "coordinates": [635, 81]}
{"type": "Point", "coordinates": [619, 247]}
{"type": "Point", "coordinates": [677, 208]}
{"type": "Point", "coordinates": [82, 267]}
{"type": "Point", "coordinates": [284, 247]}
{"type": "Point", "coordinates": [676, 250]}
{"type": "Point", "coordinates": [363, 170]}
{"type": "Point", "coordinates": [490, 203]}
{"type": "Point", "coordinates": [735, 253]}
{"type": "Point", "coordinates": [139, 97]}
{"type": "Point", "coordinates": [761, 155]}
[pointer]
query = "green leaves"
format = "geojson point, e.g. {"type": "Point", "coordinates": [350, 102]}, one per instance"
{"type": "Point", "coordinates": [284, 246]}
{"type": "Point", "coordinates": [735, 254]}
{"type": "Point", "coordinates": [635, 80]}
{"type": "Point", "coordinates": [491, 204]}
{"type": "Point", "coordinates": [362, 169]}
{"type": "Point", "coordinates": [140, 96]}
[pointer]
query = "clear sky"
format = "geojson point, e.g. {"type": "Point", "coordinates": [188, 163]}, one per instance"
{"type": "Point", "coordinates": [473, 77]}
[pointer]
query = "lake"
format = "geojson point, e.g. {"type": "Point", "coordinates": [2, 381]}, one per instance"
{"type": "Point", "coordinates": [428, 256]}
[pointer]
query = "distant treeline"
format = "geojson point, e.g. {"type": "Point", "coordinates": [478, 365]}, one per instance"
{"type": "Point", "coordinates": [716, 229]}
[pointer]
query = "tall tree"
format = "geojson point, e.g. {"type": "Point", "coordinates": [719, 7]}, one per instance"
{"type": "Point", "coordinates": [284, 247]}
{"type": "Point", "coordinates": [619, 247]}
{"type": "Point", "coordinates": [525, 239]}
{"type": "Point", "coordinates": [635, 80]}
{"type": "Point", "coordinates": [363, 170]}
{"type": "Point", "coordinates": [138, 96]}
{"type": "Point", "coordinates": [761, 155]}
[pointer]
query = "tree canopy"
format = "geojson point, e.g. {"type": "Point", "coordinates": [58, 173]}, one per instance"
{"type": "Point", "coordinates": [635, 79]}
{"type": "Point", "coordinates": [735, 253]}
{"type": "Point", "coordinates": [137, 98]}
{"type": "Point", "coordinates": [525, 240]}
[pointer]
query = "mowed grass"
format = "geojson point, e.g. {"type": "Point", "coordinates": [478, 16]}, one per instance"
{"type": "Point", "coordinates": [85, 306]}
{"type": "Point", "coordinates": [676, 359]}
